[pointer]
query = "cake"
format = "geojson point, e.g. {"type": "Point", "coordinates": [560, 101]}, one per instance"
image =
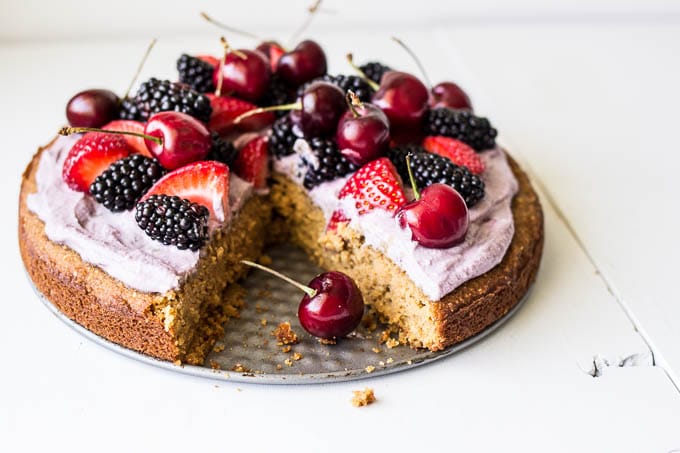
{"type": "Point", "coordinates": [154, 263]}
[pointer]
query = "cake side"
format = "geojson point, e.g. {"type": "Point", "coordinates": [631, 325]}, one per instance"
{"type": "Point", "coordinates": [179, 325]}
{"type": "Point", "coordinates": [422, 322]}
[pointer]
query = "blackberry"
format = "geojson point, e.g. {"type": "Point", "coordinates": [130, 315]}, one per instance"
{"type": "Point", "coordinates": [327, 163]}
{"type": "Point", "coordinates": [431, 168]}
{"type": "Point", "coordinates": [196, 73]}
{"type": "Point", "coordinates": [173, 221]}
{"type": "Point", "coordinates": [462, 125]}
{"type": "Point", "coordinates": [345, 82]}
{"type": "Point", "coordinates": [120, 186]}
{"type": "Point", "coordinates": [278, 93]}
{"type": "Point", "coordinates": [156, 96]}
{"type": "Point", "coordinates": [282, 138]}
{"type": "Point", "coordinates": [222, 150]}
{"type": "Point", "coordinates": [374, 70]}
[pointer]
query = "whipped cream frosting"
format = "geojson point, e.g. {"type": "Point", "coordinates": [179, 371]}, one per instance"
{"type": "Point", "coordinates": [435, 271]}
{"type": "Point", "coordinates": [111, 241]}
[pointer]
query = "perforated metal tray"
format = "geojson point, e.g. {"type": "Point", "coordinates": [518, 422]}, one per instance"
{"type": "Point", "coordinates": [249, 352]}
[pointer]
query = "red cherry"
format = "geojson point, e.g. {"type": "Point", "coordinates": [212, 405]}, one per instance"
{"type": "Point", "coordinates": [322, 106]}
{"type": "Point", "coordinates": [449, 94]}
{"type": "Point", "coordinates": [403, 98]}
{"type": "Point", "coordinates": [302, 64]}
{"type": "Point", "coordinates": [363, 133]}
{"type": "Point", "coordinates": [179, 139]}
{"type": "Point", "coordinates": [438, 219]}
{"type": "Point", "coordinates": [335, 310]}
{"type": "Point", "coordinates": [273, 51]}
{"type": "Point", "coordinates": [92, 108]}
{"type": "Point", "coordinates": [245, 73]}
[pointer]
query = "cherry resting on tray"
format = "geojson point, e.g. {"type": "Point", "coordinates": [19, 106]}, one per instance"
{"type": "Point", "coordinates": [363, 132]}
{"type": "Point", "coordinates": [302, 64]}
{"type": "Point", "coordinates": [332, 305]}
{"type": "Point", "coordinates": [438, 217]}
{"type": "Point", "coordinates": [92, 108]}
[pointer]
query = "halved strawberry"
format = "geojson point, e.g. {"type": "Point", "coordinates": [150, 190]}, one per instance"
{"type": "Point", "coordinates": [252, 162]}
{"type": "Point", "coordinates": [137, 143]}
{"type": "Point", "coordinates": [458, 152]}
{"type": "Point", "coordinates": [204, 182]}
{"type": "Point", "coordinates": [376, 185]}
{"type": "Point", "coordinates": [214, 61]}
{"type": "Point", "coordinates": [226, 109]}
{"type": "Point", "coordinates": [91, 156]}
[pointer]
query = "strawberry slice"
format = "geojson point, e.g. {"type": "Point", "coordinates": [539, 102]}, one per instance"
{"type": "Point", "coordinates": [458, 152]}
{"type": "Point", "coordinates": [376, 185]}
{"type": "Point", "coordinates": [204, 182]}
{"type": "Point", "coordinates": [252, 162]}
{"type": "Point", "coordinates": [225, 110]}
{"type": "Point", "coordinates": [137, 143]}
{"type": "Point", "coordinates": [91, 156]}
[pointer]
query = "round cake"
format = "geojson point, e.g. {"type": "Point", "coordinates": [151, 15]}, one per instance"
{"type": "Point", "coordinates": [141, 238]}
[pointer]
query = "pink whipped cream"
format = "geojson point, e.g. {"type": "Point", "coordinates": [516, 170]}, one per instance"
{"type": "Point", "coordinates": [111, 241]}
{"type": "Point", "coordinates": [435, 271]}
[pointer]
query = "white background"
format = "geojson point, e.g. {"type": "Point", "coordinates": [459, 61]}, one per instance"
{"type": "Point", "coordinates": [585, 95]}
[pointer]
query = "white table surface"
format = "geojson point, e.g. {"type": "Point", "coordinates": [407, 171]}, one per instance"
{"type": "Point", "coordinates": [590, 110]}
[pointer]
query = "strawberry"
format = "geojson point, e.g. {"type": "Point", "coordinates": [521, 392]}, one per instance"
{"type": "Point", "coordinates": [204, 182]}
{"type": "Point", "coordinates": [375, 185]}
{"type": "Point", "coordinates": [137, 143]}
{"type": "Point", "coordinates": [225, 110]}
{"type": "Point", "coordinates": [213, 61]}
{"type": "Point", "coordinates": [91, 156]}
{"type": "Point", "coordinates": [252, 163]}
{"type": "Point", "coordinates": [458, 152]}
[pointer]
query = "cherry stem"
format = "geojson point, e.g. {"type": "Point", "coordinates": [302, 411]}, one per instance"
{"type": "Point", "coordinates": [371, 83]}
{"type": "Point", "coordinates": [353, 102]}
{"type": "Point", "coordinates": [229, 28]}
{"type": "Point", "coordinates": [139, 68]}
{"type": "Point", "coordinates": [227, 49]}
{"type": "Point", "coordinates": [416, 193]}
{"type": "Point", "coordinates": [273, 108]}
{"type": "Point", "coordinates": [311, 292]}
{"type": "Point", "coordinates": [415, 58]}
{"type": "Point", "coordinates": [67, 130]}
{"type": "Point", "coordinates": [312, 10]}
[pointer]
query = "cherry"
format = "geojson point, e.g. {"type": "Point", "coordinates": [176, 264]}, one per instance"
{"type": "Point", "coordinates": [302, 64]}
{"type": "Point", "coordinates": [438, 218]}
{"type": "Point", "coordinates": [449, 94]}
{"type": "Point", "coordinates": [92, 108]}
{"type": "Point", "coordinates": [363, 132]}
{"type": "Point", "coordinates": [273, 51]}
{"type": "Point", "coordinates": [403, 98]}
{"type": "Point", "coordinates": [320, 107]}
{"type": "Point", "coordinates": [176, 139]}
{"type": "Point", "coordinates": [332, 305]}
{"type": "Point", "coordinates": [244, 72]}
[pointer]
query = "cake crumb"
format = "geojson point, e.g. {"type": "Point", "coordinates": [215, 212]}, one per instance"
{"type": "Point", "coordinates": [260, 309]}
{"type": "Point", "coordinates": [263, 321]}
{"type": "Point", "coordinates": [363, 397]}
{"type": "Point", "coordinates": [214, 365]}
{"type": "Point", "coordinates": [239, 368]}
{"type": "Point", "coordinates": [279, 366]}
{"type": "Point", "coordinates": [376, 350]}
{"type": "Point", "coordinates": [392, 343]}
{"type": "Point", "coordinates": [219, 347]}
{"type": "Point", "coordinates": [370, 369]}
{"type": "Point", "coordinates": [265, 260]}
{"type": "Point", "coordinates": [381, 363]}
{"type": "Point", "coordinates": [390, 360]}
{"type": "Point", "coordinates": [286, 348]}
{"type": "Point", "coordinates": [384, 336]}
{"type": "Point", "coordinates": [297, 356]}
{"type": "Point", "coordinates": [409, 362]}
{"type": "Point", "coordinates": [327, 341]}
{"type": "Point", "coordinates": [284, 334]}
{"type": "Point", "coordinates": [288, 362]}
{"type": "Point", "coordinates": [177, 362]}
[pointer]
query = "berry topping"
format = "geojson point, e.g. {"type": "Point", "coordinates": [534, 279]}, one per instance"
{"type": "Point", "coordinates": [462, 125]}
{"type": "Point", "coordinates": [403, 98]}
{"type": "Point", "coordinates": [173, 221]}
{"type": "Point", "coordinates": [226, 109]}
{"type": "Point", "coordinates": [136, 142]}
{"type": "Point", "coordinates": [156, 96]}
{"type": "Point", "coordinates": [325, 163]}
{"type": "Point", "coordinates": [273, 51]}
{"type": "Point", "coordinates": [221, 150]}
{"type": "Point", "coordinates": [376, 185]}
{"type": "Point", "coordinates": [363, 132]}
{"type": "Point", "coordinates": [252, 163]}
{"type": "Point", "coordinates": [196, 72]}
{"type": "Point", "coordinates": [90, 156]}
{"type": "Point", "coordinates": [431, 168]}
{"type": "Point", "coordinates": [278, 93]}
{"type": "Point", "coordinates": [92, 108]}
{"type": "Point", "coordinates": [302, 64]}
{"type": "Point", "coordinates": [456, 151]}
{"type": "Point", "coordinates": [245, 73]}
{"type": "Point", "coordinates": [374, 70]}
{"type": "Point", "coordinates": [346, 83]}
{"type": "Point", "coordinates": [449, 94]}
{"type": "Point", "coordinates": [120, 186]}
{"type": "Point", "coordinates": [322, 105]}
{"type": "Point", "coordinates": [177, 139]}
{"type": "Point", "coordinates": [205, 183]}
{"type": "Point", "coordinates": [282, 137]}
